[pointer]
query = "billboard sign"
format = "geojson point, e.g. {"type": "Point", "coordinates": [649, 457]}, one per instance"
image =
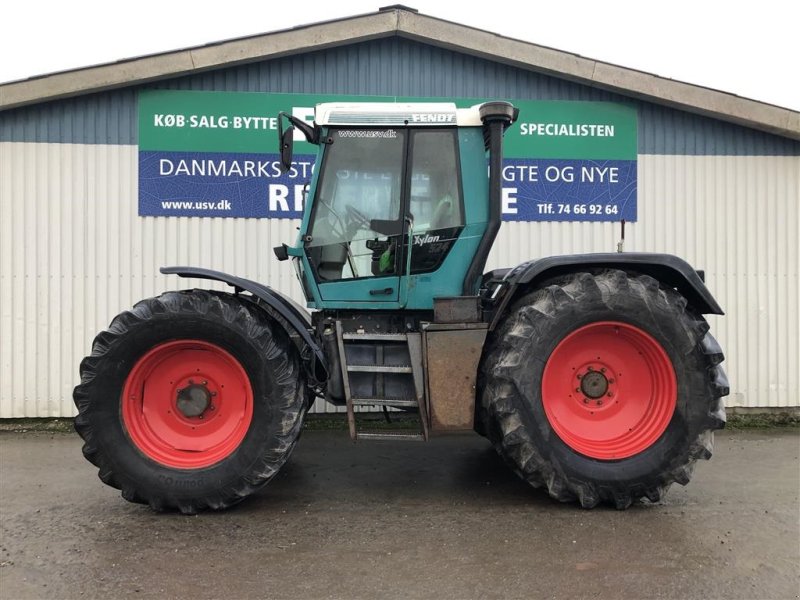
{"type": "Point", "coordinates": [215, 154]}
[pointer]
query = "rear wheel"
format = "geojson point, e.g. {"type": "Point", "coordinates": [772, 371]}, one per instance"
{"type": "Point", "coordinates": [603, 387]}
{"type": "Point", "coordinates": [190, 400]}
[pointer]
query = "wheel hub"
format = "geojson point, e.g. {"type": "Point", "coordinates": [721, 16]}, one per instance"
{"type": "Point", "coordinates": [193, 400]}
{"type": "Point", "coordinates": [594, 384]}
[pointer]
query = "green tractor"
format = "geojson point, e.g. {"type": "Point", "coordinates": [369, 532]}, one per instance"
{"type": "Point", "coordinates": [594, 376]}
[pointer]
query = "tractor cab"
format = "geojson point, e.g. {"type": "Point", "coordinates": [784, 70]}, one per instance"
{"type": "Point", "coordinates": [397, 208]}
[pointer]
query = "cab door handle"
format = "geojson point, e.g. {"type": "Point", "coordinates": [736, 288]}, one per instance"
{"type": "Point", "coordinates": [381, 292]}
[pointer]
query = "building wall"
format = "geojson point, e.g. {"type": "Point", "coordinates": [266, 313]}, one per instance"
{"type": "Point", "coordinates": [73, 252]}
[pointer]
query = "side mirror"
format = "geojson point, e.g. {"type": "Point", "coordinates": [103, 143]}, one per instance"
{"type": "Point", "coordinates": [287, 138]}
{"type": "Point", "coordinates": [281, 252]}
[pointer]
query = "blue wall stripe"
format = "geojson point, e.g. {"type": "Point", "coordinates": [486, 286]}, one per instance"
{"type": "Point", "coordinates": [391, 66]}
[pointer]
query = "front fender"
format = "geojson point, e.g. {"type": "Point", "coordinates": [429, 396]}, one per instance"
{"type": "Point", "coordinates": [294, 315]}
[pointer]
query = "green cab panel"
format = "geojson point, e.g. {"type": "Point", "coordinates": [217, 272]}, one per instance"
{"type": "Point", "coordinates": [384, 290]}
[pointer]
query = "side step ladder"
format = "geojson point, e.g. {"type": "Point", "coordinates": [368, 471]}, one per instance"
{"type": "Point", "coordinates": [373, 377]}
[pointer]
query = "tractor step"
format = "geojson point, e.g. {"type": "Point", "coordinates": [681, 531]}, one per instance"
{"type": "Point", "coordinates": [378, 369]}
{"type": "Point", "coordinates": [387, 402]}
{"type": "Point", "coordinates": [411, 436]}
{"type": "Point", "coordinates": [369, 381]}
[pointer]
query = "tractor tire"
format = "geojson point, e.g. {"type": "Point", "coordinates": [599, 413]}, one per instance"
{"type": "Point", "coordinates": [602, 387]}
{"type": "Point", "coordinates": [190, 400]}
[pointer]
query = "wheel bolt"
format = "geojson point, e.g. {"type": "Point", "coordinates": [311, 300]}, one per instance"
{"type": "Point", "coordinates": [212, 407]}
{"type": "Point", "coordinates": [213, 393]}
{"type": "Point", "coordinates": [603, 370]}
{"type": "Point", "coordinates": [580, 376]}
{"type": "Point", "coordinates": [199, 416]}
{"type": "Point", "coordinates": [610, 394]}
{"type": "Point", "coordinates": [577, 389]}
{"type": "Point", "coordinates": [586, 401]}
{"type": "Point", "coordinates": [599, 402]}
{"type": "Point", "coordinates": [191, 382]}
{"type": "Point", "coordinates": [206, 383]}
{"type": "Point", "coordinates": [590, 368]}
{"type": "Point", "coordinates": [610, 381]}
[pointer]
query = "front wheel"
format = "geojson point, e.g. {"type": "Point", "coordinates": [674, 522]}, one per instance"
{"type": "Point", "coordinates": [602, 387]}
{"type": "Point", "coordinates": [190, 400]}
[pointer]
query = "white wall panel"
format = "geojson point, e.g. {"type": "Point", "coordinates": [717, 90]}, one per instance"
{"type": "Point", "coordinates": [74, 253]}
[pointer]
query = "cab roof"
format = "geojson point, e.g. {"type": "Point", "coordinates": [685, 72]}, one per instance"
{"type": "Point", "coordinates": [397, 114]}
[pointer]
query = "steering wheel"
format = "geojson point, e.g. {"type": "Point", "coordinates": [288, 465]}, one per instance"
{"type": "Point", "coordinates": [357, 217]}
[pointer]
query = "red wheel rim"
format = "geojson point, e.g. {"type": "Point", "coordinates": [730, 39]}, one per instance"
{"type": "Point", "coordinates": [609, 390]}
{"type": "Point", "coordinates": [187, 404]}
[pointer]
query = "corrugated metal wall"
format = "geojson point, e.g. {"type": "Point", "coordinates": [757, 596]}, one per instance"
{"type": "Point", "coordinates": [73, 252]}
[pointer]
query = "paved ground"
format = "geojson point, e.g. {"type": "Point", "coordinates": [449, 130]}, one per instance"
{"type": "Point", "coordinates": [392, 520]}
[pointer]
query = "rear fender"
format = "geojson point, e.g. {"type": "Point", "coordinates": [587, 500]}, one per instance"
{"type": "Point", "coordinates": [667, 269]}
{"type": "Point", "coordinates": [292, 317]}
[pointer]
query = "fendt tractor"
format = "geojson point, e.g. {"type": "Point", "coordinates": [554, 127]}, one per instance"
{"type": "Point", "coordinates": [594, 376]}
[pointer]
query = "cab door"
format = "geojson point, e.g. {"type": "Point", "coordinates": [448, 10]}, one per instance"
{"type": "Point", "coordinates": [440, 248]}
{"type": "Point", "coordinates": [357, 223]}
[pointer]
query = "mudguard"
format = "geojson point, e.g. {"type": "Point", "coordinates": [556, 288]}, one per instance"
{"type": "Point", "coordinates": [293, 314]}
{"type": "Point", "coordinates": [666, 268]}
